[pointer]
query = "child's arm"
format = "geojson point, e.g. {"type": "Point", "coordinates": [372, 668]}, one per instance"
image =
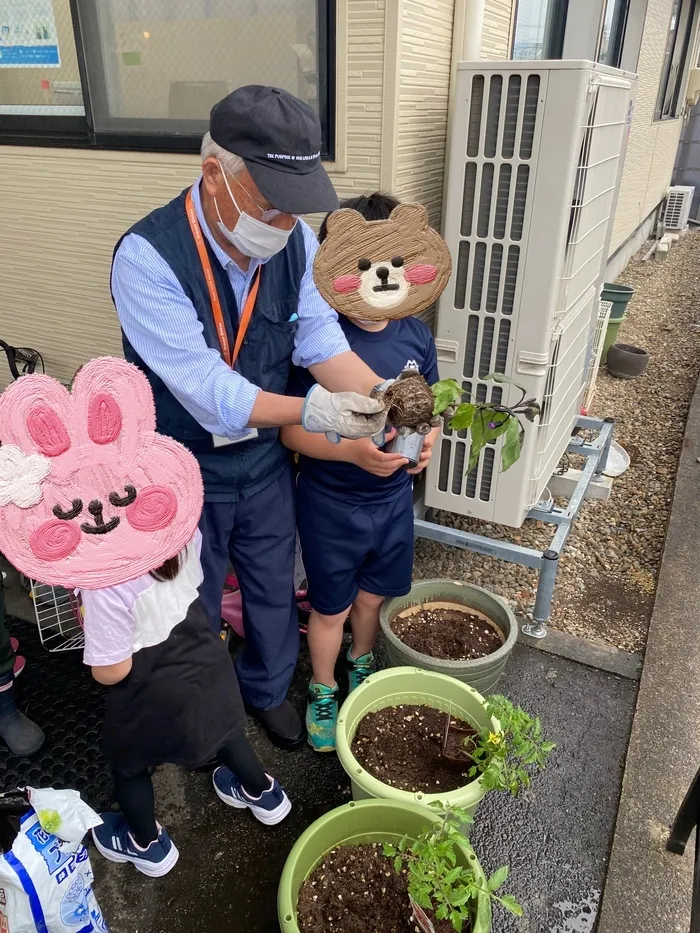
{"type": "Point", "coordinates": [362, 453]}
{"type": "Point", "coordinates": [109, 674]}
{"type": "Point", "coordinates": [109, 635]}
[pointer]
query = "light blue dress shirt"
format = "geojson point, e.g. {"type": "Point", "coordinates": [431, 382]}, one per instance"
{"type": "Point", "coordinates": [162, 326]}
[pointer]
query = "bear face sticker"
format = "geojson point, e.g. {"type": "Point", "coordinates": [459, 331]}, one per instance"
{"type": "Point", "coordinates": [378, 270]}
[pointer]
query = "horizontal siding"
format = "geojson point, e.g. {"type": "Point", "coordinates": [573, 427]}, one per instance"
{"type": "Point", "coordinates": [652, 145]}
{"type": "Point", "coordinates": [495, 43]}
{"type": "Point", "coordinates": [63, 210]}
{"type": "Point", "coordinates": [425, 50]}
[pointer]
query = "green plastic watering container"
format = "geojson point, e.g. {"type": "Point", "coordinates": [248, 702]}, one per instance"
{"type": "Point", "coordinates": [355, 824]}
{"type": "Point", "coordinates": [620, 296]}
{"type": "Point", "coordinates": [415, 687]}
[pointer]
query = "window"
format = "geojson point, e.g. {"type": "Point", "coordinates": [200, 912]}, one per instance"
{"type": "Point", "coordinates": [145, 73]}
{"type": "Point", "coordinates": [539, 29]}
{"type": "Point", "coordinates": [678, 43]}
{"type": "Point", "coordinates": [612, 32]}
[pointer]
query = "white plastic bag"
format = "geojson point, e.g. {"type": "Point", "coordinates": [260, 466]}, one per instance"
{"type": "Point", "coordinates": [46, 879]}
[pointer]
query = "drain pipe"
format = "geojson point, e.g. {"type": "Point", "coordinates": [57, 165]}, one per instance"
{"type": "Point", "coordinates": [473, 30]}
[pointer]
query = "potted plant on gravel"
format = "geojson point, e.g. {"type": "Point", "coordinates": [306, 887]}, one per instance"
{"type": "Point", "coordinates": [419, 737]}
{"type": "Point", "coordinates": [394, 867]}
{"type": "Point", "coordinates": [452, 628]}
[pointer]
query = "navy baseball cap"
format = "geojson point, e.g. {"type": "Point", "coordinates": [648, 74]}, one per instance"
{"type": "Point", "coordinates": [278, 137]}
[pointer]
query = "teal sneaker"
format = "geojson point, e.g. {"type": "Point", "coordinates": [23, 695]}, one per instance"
{"type": "Point", "coordinates": [359, 669]}
{"type": "Point", "coordinates": [321, 717]}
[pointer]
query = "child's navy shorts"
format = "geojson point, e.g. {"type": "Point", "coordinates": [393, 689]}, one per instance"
{"type": "Point", "coordinates": [347, 547]}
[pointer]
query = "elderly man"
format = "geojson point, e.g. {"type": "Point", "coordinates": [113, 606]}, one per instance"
{"type": "Point", "coordinates": [215, 296]}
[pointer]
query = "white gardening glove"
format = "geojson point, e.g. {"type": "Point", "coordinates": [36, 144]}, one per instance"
{"type": "Point", "coordinates": [342, 414]}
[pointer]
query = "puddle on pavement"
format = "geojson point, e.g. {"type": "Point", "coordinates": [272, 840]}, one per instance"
{"type": "Point", "coordinates": [577, 918]}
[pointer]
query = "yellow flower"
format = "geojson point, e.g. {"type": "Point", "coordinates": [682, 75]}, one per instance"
{"type": "Point", "coordinates": [495, 738]}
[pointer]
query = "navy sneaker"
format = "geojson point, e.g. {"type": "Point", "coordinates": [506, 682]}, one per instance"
{"type": "Point", "coordinates": [113, 840]}
{"type": "Point", "coordinates": [270, 807]}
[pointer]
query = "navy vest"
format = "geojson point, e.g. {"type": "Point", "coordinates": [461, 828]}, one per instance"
{"type": "Point", "coordinates": [265, 357]}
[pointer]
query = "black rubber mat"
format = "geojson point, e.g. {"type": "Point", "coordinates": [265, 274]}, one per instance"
{"type": "Point", "coordinates": [57, 692]}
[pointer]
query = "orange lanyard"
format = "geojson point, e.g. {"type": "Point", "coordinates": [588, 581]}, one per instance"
{"type": "Point", "coordinates": [216, 311]}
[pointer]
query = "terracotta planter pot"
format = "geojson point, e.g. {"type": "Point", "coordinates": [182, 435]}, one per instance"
{"type": "Point", "coordinates": [627, 362]}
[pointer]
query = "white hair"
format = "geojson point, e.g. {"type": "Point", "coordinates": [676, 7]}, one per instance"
{"type": "Point", "coordinates": [211, 150]}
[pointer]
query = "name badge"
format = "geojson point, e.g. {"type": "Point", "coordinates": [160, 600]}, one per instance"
{"type": "Point", "coordinates": [227, 441]}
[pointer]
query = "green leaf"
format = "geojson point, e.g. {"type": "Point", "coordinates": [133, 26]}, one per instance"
{"type": "Point", "coordinates": [510, 904]}
{"type": "Point", "coordinates": [478, 441]}
{"type": "Point", "coordinates": [510, 452]}
{"type": "Point", "coordinates": [389, 850]}
{"type": "Point", "coordinates": [498, 878]}
{"type": "Point", "coordinates": [457, 921]}
{"type": "Point", "coordinates": [463, 417]}
{"type": "Point", "coordinates": [398, 864]}
{"type": "Point", "coordinates": [501, 379]}
{"type": "Point", "coordinates": [446, 392]}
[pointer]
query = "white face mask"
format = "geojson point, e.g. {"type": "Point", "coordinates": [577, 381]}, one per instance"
{"type": "Point", "coordinates": [250, 236]}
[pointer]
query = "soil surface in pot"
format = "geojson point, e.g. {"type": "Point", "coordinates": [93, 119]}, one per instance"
{"type": "Point", "coordinates": [402, 746]}
{"type": "Point", "coordinates": [356, 890]}
{"type": "Point", "coordinates": [449, 633]}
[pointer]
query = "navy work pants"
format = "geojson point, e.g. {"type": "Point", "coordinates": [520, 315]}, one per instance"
{"type": "Point", "coordinates": [258, 535]}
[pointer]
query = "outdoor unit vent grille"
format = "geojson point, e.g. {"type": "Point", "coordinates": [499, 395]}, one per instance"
{"type": "Point", "coordinates": [678, 204]}
{"type": "Point", "coordinates": [534, 160]}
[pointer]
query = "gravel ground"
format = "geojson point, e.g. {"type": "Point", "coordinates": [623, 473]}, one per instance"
{"type": "Point", "coordinates": [607, 577]}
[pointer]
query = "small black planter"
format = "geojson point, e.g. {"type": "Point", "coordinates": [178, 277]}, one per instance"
{"type": "Point", "coordinates": [626, 362]}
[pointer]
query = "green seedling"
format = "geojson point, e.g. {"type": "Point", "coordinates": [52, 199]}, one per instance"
{"type": "Point", "coordinates": [485, 421]}
{"type": "Point", "coordinates": [436, 881]}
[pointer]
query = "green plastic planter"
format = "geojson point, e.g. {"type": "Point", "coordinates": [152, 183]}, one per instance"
{"type": "Point", "coordinates": [481, 673]}
{"type": "Point", "coordinates": [355, 824]}
{"type": "Point", "coordinates": [611, 337]}
{"type": "Point", "coordinates": [409, 685]}
{"type": "Point", "coordinates": [620, 296]}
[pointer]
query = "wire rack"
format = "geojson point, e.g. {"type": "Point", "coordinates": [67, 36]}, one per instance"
{"type": "Point", "coordinates": [59, 617]}
{"type": "Point", "coordinates": [596, 355]}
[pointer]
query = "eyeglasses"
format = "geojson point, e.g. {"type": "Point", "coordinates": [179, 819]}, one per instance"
{"type": "Point", "coordinates": [268, 214]}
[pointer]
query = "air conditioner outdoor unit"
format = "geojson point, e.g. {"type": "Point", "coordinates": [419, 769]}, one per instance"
{"type": "Point", "coordinates": [678, 204]}
{"type": "Point", "coordinates": [534, 164]}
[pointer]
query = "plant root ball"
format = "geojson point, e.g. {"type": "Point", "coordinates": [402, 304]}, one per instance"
{"type": "Point", "coordinates": [409, 402]}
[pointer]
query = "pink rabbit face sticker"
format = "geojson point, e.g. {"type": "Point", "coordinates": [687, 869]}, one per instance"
{"type": "Point", "coordinates": [90, 495]}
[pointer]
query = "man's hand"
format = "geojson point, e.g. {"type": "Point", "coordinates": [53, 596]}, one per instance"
{"type": "Point", "coordinates": [342, 413]}
{"type": "Point", "coordinates": [367, 456]}
{"type": "Point", "coordinates": [426, 453]}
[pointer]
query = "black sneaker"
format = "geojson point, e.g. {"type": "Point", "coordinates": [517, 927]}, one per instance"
{"type": "Point", "coordinates": [283, 725]}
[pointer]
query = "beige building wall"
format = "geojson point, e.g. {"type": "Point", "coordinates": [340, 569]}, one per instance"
{"type": "Point", "coordinates": [64, 209]}
{"type": "Point", "coordinates": [498, 18]}
{"type": "Point", "coordinates": [651, 151]}
{"type": "Point", "coordinates": [415, 150]}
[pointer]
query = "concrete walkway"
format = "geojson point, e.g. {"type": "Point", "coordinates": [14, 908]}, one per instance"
{"type": "Point", "coordinates": [647, 888]}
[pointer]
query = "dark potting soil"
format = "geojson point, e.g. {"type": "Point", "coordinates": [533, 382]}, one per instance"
{"type": "Point", "coordinates": [450, 634]}
{"type": "Point", "coordinates": [401, 746]}
{"type": "Point", "coordinates": [356, 890]}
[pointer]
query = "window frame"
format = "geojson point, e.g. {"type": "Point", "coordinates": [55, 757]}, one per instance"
{"type": "Point", "coordinates": [557, 30]}
{"type": "Point", "coordinates": [617, 33]}
{"type": "Point", "coordinates": [692, 7]}
{"type": "Point", "coordinates": [79, 131]}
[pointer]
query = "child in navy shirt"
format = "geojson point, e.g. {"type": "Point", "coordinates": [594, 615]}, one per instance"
{"type": "Point", "coordinates": [355, 511]}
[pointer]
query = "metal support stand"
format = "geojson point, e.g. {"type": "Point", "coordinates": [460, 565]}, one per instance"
{"type": "Point", "coordinates": [545, 562]}
{"type": "Point", "coordinates": [686, 821]}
